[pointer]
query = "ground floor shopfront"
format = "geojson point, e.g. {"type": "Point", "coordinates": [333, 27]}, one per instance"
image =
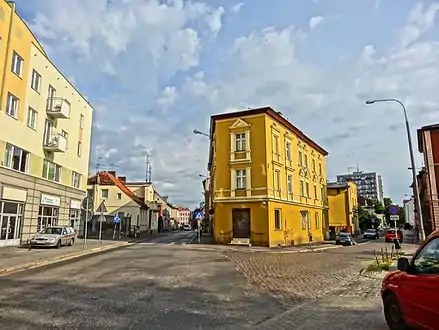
{"type": "Point", "coordinates": [28, 204]}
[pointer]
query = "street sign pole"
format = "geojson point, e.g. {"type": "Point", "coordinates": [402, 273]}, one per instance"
{"type": "Point", "coordinates": [100, 227]}
{"type": "Point", "coordinates": [199, 227]}
{"type": "Point", "coordinates": [86, 225]}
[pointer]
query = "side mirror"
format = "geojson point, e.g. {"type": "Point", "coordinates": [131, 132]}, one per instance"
{"type": "Point", "coordinates": [403, 264]}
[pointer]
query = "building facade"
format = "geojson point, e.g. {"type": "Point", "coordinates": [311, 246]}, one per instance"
{"type": "Point", "coordinates": [428, 145]}
{"type": "Point", "coordinates": [268, 180]}
{"type": "Point", "coordinates": [183, 215]}
{"type": "Point", "coordinates": [343, 207]}
{"type": "Point", "coordinates": [45, 135]}
{"type": "Point", "coordinates": [370, 184]}
{"type": "Point", "coordinates": [409, 211]}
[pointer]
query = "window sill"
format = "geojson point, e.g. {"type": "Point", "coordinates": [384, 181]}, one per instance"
{"type": "Point", "coordinates": [11, 116]}
{"type": "Point", "coordinates": [32, 128]}
{"type": "Point", "coordinates": [37, 91]}
{"type": "Point", "coordinates": [17, 75]}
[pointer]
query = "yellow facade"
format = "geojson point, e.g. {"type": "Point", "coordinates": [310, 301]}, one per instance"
{"type": "Point", "coordinates": [343, 205]}
{"type": "Point", "coordinates": [264, 168]}
{"type": "Point", "coordinates": [45, 127]}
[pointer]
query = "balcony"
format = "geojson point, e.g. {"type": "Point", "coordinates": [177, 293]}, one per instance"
{"type": "Point", "coordinates": [55, 142]}
{"type": "Point", "coordinates": [58, 107]}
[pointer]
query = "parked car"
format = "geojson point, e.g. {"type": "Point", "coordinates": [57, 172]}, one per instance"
{"type": "Point", "coordinates": [187, 227]}
{"type": "Point", "coordinates": [371, 234]}
{"type": "Point", "coordinates": [391, 236]}
{"type": "Point", "coordinates": [344, 239]}
{"type": "Point", "coordinates": [55, 236]}
{"type": "Point", "coordinates": [411, 294]}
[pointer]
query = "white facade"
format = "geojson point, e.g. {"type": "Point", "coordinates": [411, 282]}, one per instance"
{"type": "Point", "coordinates": [409, 211]}
{"type": "Point", "coordinates": [183, 215]}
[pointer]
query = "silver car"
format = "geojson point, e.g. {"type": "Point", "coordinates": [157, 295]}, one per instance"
{"type": "Point", "coordinates": [54, 236]}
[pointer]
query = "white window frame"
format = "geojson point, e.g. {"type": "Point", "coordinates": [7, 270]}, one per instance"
{"type": "Point", "coordinates": [12, 104]}
{"type": "Point", "coordinates": [306, 160]}
{"type": "Point", "coordinates": [307, 189]}
{"type": "Point", "coordinates": [288, 151]}
{"type": "Point", "coordinates": [316, 197]}
{"type": "Point", "coordinates": [32, 118]}
{"type": "Point", "coordinates": [313, 164]}
{"type": "Point", "coordinates": [76, 180]}
{"type": "Point", "coordinates": [241, 179]}
{"type": "Point", "coordinates": [81, 121]}
{"type": "Point", "coordinates": [79, 149]}
{"type": "Point", "coordinates": [8, 157]}
{"type": "Point", "coordinates": [300, 155]}
{"type": "Point", "coordinates": [36, 81]}
{"type": "Point", "coordinates": [17, 64]}
{"type": "Point", "coordinates": [240, 142]}
{"type": "Point", "coordinates": [290, 184]}
{"type": "Point", "coordinates": [57, 171]}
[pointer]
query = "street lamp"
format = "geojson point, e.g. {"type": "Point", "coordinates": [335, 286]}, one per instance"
{"type": "Point", "coordinates": [412, 161]}
{"type": "Point", "coordinates": [195, 131]}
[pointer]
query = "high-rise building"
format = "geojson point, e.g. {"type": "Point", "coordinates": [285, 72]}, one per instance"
{"type": "Point", "coordinates": [409, 211]}
{"type": "Point", "coordinates": [268, 180]}
{"type": "Point", "coordinates": [370, 184]}
{"type": "Point", "coordinates": [45, 133]}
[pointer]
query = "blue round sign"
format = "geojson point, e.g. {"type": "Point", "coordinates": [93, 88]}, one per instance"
{"type": "Point", "coordinates": [393, 210]}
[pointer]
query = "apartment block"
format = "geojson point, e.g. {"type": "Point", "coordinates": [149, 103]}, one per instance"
{"type": "Point", "coordinates": [370, 184]}
{"type": "Point", "coordinates": [267, 180]}
{"type": "Point", "coordinates": [45, 135]}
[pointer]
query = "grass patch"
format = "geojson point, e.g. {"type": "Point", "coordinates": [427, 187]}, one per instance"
{"type": "Point", "coordinates": [379, 267]}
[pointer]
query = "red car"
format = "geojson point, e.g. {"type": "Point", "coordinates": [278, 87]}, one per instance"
{"type": "Point", "coordinates": [390, 235]}
{"type": "Point", "coordinates": [411, 294]}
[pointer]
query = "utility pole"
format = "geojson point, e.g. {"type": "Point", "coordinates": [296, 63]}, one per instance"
{"type": "Point", "coordinates": [148, 170]}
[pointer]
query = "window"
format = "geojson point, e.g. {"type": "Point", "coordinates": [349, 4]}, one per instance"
{"type": "Point", "coordinates": [276, 144]}
{"type": "Point", "coordinates": [81, 121]}
{"type": "Point", "coordinates": [277, 180]}
{"type": "Point", "coordinates": [305, 223]}
{"type": "Point", "coordinates": [241, 180]}
{"type": "Point", "coordinates": [74, 218]}
{"type": "Point", "coordinates": [79, 151]}
{"type": "Point", "coordinates": [290, 184]}
{"type": "Point", "coordinates": [17, 64]}
{"type": "Point", "coordinates": [300, 158]}
{"type": "Point", "coordinates": [76, 180]}
{"type": "Point", "coordinates": [277, 219]}
{"type": "Point", "coordinates": [104, 193]}
{"type": "Point", "coordinates": [16, 158]}
{"type": "Point", "coordinates": [317, 221]}
{"type": "Point", "coordinates": [47, 216]}
{"type": "Point", "coordinates": [51, 93]}
{"type": "Point", "coordinates": [36, 81]}
{"type": "Point", "coordinates": [427, 261]}
{"type": "Point", "coordinates": [315, 192]}
{"type": "Point", "coordinates": [51, 171]}
{"type": "Point", "coordinates": [320, 169]}
{"type": "Point", "coordinates": [119, 196]}
{"type": "Point", "coordinates": [306, 160]}
{"type": "Point", "coordinates": [307, 189]}
{"type": "Point", "coordinates": [314, 165]}
{"type": "Point", "coordinates": [240, 142]}
{"type": "Point", "coordinates": [66, 135]}
{"type": "Point", "coordinates": [32, 118]}
{"type": "Point", "coordinates": [288, 151]}
{"type": "Point", "coordinates": [302, 192]}
{"type": "Point", "coordinates": [12, 105]}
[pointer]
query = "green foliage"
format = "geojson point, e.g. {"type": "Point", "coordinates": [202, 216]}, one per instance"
{"type": "Point", "coordinates": [379, 208]}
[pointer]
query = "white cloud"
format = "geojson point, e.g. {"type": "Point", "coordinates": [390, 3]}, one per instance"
{"type": "Point", "coordinates": [154, 51]}
{"type": "Point", "coordinates": [315, 21]}
{"type": "Point", "coordinates": [236, 8]}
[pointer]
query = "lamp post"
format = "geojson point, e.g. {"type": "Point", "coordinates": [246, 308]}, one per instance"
{"type": "Point", "coordinates": [195, 131]}
{"type": "Point", "coordinates": [412, 161]}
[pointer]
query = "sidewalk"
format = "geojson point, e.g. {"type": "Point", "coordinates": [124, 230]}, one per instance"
{"type": "Point", "coordinates": [19, 258]}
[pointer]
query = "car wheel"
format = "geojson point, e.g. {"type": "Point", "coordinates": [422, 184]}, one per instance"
{"type": "Point", "coordinates": [393, 313]}
{"type": "Point", "coordinates": [58, 244]}
{"type": "Point", "coordinates": [72, 241]}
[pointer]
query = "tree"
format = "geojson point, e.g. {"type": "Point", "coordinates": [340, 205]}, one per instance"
{"type": "Point", "coordinates": [387, 202]}
{"type": "Point", "coordinates": [379, 208]}
{"type": "Point", "coordinates": [364, 219]}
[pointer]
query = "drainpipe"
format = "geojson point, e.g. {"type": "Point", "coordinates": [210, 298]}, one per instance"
{"type": "Point", "coordinates": [8, 44]}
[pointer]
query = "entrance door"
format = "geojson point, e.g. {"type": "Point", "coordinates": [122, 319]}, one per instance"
{"type": "Point", "coordinates": [241, 223]}
{"type": "Point", "coordinates": [8, 228]}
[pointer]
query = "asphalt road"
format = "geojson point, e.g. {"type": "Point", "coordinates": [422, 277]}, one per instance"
{"type": "Point", "coordinates": [175, 237]}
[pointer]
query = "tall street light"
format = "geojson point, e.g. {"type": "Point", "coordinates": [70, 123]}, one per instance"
{"type": "Point", "coordinates": [413, 165]}
{"type": "Point", "coordinates": [195, 131]}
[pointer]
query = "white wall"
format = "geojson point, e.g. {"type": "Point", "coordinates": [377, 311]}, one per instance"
{"type": "Point", "coordinates": [409, 211]}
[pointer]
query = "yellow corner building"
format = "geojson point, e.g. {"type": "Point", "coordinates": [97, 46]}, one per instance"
{"type": "Point", "coordinates": [268, 180]}
{"type": "Point", "coordinates": [343, 206]}
{"type": "Point", "coordinates": [45, 134]}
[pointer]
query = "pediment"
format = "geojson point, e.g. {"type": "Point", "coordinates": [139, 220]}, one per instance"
{"type": "Point", "coordinates": [239, 123]}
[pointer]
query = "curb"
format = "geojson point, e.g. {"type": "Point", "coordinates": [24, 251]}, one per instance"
{"type": "Point", "coordinates": [50, 261]}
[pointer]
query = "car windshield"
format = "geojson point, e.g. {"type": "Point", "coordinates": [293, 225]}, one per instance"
{"type": "Point", "coordinates": [370, 231]}
{"type": "Point", "coordinates": [344, 235]}
{"type": "Point", "coordinates": [391, 232]}
{"type": "Point", "coordinates": [52, 230]}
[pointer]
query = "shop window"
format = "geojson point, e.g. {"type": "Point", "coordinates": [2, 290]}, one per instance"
{"type": "Point", "coordinates": [47, 216]}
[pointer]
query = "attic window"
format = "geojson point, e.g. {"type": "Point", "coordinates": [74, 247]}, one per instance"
{"type": "Point", "coordinates": [119, 196]}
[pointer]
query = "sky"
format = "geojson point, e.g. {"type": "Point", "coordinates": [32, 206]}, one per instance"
{"type": "Point", "coordinates": [155, 70]}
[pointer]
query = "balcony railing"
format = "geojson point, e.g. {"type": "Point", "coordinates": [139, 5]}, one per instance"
{"type": "Point", "coordinates": [58, 107]}
{"type": "Point", "coordinates": [55, 143]}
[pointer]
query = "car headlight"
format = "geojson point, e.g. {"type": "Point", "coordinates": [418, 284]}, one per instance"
{"type": "Point", "coordinates": [52, 239]}
{"type": "Point", "coordinates": [32, 238]}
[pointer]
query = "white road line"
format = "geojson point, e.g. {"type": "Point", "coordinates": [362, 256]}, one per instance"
{"type": "Point", "coordinates": [172, 243]}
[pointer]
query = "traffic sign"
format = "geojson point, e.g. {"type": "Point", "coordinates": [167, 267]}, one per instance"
{"type": "Point", "coordinates": [102, 208]}
{"type": "Point", "coordinates": [116, 218]}
{"type": "Point", "coordinates": [102, 218]}
{"type": "Point", "coordinates": [199, 215]}
{"type": "Point", "coordinates": [394, 218]}
{"type": "Point", "coordinates": [393, 209]}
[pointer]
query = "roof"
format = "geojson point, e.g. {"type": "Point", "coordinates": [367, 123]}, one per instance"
{"type": "Point", "coordinates": [336, 185]}
{"type": "Point", "coordinates": [423, 129]}
{"type": "Point", "coordinates": [109, 179]}
{"type": "Point", "coordinates": [269, 112]}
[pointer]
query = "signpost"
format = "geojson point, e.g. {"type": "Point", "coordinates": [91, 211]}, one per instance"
{"type": "Point", "coordinates": [394, 216]}
{"type": "Point", "coordinates": [116, 221]}
{"type": "Point", "coordinates": [88, 201]}
{"type": "Point", "coordinates": [101, 209]}
{"type": "Point", "coordinates": [199, 215]}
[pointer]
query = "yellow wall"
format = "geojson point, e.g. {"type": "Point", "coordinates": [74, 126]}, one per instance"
{"type": "Point", "coordinates": [262, 197]}
{"type": "Point", "coordinates": [16, 131]}
{"type": "Point", "coordinates": [342, 205]}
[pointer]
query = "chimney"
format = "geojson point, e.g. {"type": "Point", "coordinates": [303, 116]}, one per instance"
{"type": "Point", "coordinates": [113, 173]}
{"type": "Point", "coordinates": [123, 179]}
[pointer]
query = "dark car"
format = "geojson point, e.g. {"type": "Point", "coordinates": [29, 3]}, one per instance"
{"type": "Point", "coordinates": [344, 239]}
{"type": "Point", "coordinates": [371, 234]}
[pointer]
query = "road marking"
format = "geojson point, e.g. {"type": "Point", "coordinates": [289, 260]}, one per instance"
{"type": "Point", "coordinates": [172, 243]}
